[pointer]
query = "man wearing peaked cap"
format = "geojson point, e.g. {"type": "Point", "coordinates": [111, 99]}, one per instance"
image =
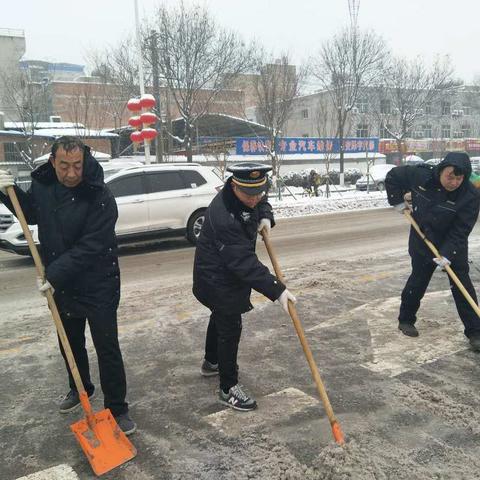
{"type": "Point", "coordinates": [445, 204]}
{"type": "Point", "coordinates": [251, 178]}
{"type": "Point", "coordinates": [226, 268]}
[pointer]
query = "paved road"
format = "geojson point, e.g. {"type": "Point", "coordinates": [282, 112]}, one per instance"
{"type": "Point", "coordinates": [409, 407]}
{"type": "Point", "coordinates": [297, 240]}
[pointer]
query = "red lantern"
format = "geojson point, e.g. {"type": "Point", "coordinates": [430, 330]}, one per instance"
{"type": "Point", "coordinates": [148, 133]}
{"type": "Point", "coordinates": [147, 101]}
{"type": "Point", "coordinates": [148, 118]}
{"type": "Point", "coordinates": [134, 105]}
{"type": "Point", "coordinates": [135, 122]}
{"type": "Point", "coordinates": [136, 136]}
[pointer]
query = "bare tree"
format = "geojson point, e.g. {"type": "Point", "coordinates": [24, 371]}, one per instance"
{"type": "Point", "coordinates": [325, 123]}
{"type": "Point", "coordinates": [350, 60]}
{"type": "Point", "coordinates": [408, 92]}
{"type": "Point", "coordinates": [276, 85]}
{"type": "Point", "coordinates": [197, 59]}
{"type": "Point", "coordinates": [30, 105]}
{"type": "Point", "coordinates": [116, 68]}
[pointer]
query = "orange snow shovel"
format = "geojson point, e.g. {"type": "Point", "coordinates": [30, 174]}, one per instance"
{"type": "Point", "coordinates": [336, 430]}
{"type": "Point", "coordinates": [449, 270]}
{"type": "Point", "coordinates": [101, 439]}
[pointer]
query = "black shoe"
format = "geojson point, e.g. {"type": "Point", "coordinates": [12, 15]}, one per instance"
{"type": "Point", "coordinates": [408, 329]}
{"type": "Point", "coordinates": [127, 425]}
{"type": "Point", "coordinates": [209, 369]}
{"type": "Point", "coordinates": [71, 401]}
{"type": "Point", "coordinates": [237, 399]}
{"type": "Point", "coordinates": [475, 343]}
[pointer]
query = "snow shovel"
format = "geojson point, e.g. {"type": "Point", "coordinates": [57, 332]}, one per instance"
{"type": "Point", "coordinates": [449, 270]}
{"type": "Point", "coordinates": [336, 430]}
{"type": "Point", "coordinates": [102, 440]}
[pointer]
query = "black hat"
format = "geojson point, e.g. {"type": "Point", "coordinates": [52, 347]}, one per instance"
{"type": "Point", "coordinates": [250, 177]}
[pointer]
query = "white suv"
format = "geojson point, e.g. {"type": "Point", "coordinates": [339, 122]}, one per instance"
{"type": "Point", "coordinates": [167, 199]}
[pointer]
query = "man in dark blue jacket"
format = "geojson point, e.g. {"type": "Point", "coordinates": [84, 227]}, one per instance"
{"type": "Point", "coordinates": [76, 215]}
{"type": "Point", "coordinates": [226, 269]}
{"type": "Point", "coordinates": [445, 205]}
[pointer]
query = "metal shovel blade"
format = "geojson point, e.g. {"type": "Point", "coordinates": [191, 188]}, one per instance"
{"type": "Point", "coordinates": [103, 441]}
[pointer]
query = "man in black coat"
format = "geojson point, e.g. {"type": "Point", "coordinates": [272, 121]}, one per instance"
{"type": "Point", "coordinates": [226, 269]}
{"type": "Point", "coordinates": [445, 205]}
{"type": "Point", "coordinates": [76, 215]}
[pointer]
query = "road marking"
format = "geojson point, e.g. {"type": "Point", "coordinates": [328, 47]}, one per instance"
{"type": "Point", "coordinates": [273, 408]}
{"type": "Point", "coordinates": [60, 472]}
{"type": "Point", "coordinates": [393, 353]}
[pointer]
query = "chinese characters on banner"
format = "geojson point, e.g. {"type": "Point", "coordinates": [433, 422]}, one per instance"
{"type": "Point", "coordinates": [303, 145]}
{"type": "Point", "coordinates": [415, 146]}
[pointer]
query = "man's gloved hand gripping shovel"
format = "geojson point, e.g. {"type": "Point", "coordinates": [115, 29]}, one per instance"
{"type": "Point", "coordinates": [336, 430]}
{"type": "Point", "coordinates": [101, 439]}
{"type": "Point", "coordinates": [447, 267]}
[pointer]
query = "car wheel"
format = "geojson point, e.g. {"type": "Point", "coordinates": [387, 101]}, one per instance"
{"type": "Point", "coordinates": [194, 226]}
{"type": "Point", "coordinates": [380, 186]}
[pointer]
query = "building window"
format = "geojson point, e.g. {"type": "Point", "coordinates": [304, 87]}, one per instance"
{"type": "Point", "coordinates": [418, 134]}
{"type": "Point", "coordinates": [13, 151]}
{"type": "Point", "coordinates": [428, 108]}
{"type": "Point", "coordinates": [385, 106]}
{"type": "Point", "coordinates": [467, 110]}
{"type": "Point", "coordinates": [305, 113]}
{"type": "Point", "coordinates": [457, 134]}
{"type": "Point", "coordinates": [445, 108]}
{"type": "Point", "coordinates": [445, 131]}
{"type": "Point", "coordinates": [362, 130]}
{"type": "Point", "coordinates": [466, 130]}
{"type": "Point", "coordinates": [362, 105]}
{"type": "Point", "coordinates": [385, 131]}
{"type": "Point", "coordinates": [427, 131]}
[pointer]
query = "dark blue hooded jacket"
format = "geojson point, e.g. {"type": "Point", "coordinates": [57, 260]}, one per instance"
{"type": "Point", "coordinates": [77, 236]}
{"type": "Point", "coordinates": [446, 218]}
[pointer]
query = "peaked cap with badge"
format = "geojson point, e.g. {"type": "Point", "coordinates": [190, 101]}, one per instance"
{"type": "Point", "coordinates": [250, 177]}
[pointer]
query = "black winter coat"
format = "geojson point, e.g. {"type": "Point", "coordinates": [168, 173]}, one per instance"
{"type": "Point", "coordinates": [77, 236]}
{"type": "Point", "coordinates": [446, 218]}
{"type": "Point", "coordinates": [226, 266]}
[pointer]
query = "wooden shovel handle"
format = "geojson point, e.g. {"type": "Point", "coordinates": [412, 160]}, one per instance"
{"type": "Point", "coordinates": [449, 270]}
{"type": "Point", "coordinates": [51, 302]}
{"type": "Point", "coordinates": [336, 430]}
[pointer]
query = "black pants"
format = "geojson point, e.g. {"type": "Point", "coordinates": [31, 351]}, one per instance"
{"type": "Point", "coordinates": [221, 346]}
{"type": "Point", "coordinates": [103, 327]}
{"type": "Point", "coordinates": [417, 283]}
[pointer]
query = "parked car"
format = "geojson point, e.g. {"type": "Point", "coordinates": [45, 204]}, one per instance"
{"type": "Point", "coordinates": [433, 161]}
{"type": "Point", "coordinates": [153, 201]}
{"type": "Point", "coordinates": [413, 160]}
{"type": "Point", "coordinates": [375, 180]}
{"type": "Point", "coordinates": [475, 161]}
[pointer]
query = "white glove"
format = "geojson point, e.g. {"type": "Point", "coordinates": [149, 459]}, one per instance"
{"type": "Point", "coordinates": [284, 298]}
{"type": "Point", "coordinates": [43, 286]}
{"type": "Point", "coordinates": [6, 180]}
{"type": "Point", "coordinates": [442, 261]}
{"type": "Point", "coordinates": [402, 207]}
{"type": "Point", "coordinates": [265, 223]}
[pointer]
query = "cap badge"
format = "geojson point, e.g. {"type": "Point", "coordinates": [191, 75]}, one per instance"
{"type": "Point", "coordinates": [255, 174]}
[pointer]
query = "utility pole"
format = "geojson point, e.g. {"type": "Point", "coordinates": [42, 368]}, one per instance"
{"type": "Point", "coordinates": [153, 44]}
{"type": "Point", "coordinates": [146, 144]}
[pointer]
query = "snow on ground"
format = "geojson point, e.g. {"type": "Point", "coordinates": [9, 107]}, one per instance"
{"type": "Point", "coordinates": [341, 199]}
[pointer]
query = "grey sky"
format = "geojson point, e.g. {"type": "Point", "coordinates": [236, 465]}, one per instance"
{"type": "Point", "coordinates": [59, 31]}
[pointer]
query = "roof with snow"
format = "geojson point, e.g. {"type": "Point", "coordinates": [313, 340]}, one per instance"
{"type": "Point", "coordinates": [54, 133]}
{"type": "Point", "coordinates": [215, 125]}
{"type": "Point", "coordinates": [40, 125]}
{"type": "Point", "coordinates": [222, 125]}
